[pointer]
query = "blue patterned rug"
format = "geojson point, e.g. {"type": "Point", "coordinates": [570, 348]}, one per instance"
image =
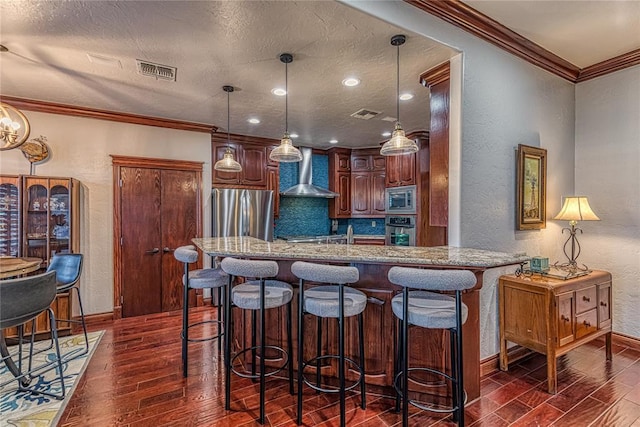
{"type": "Point", "coordinates": [25, 409]}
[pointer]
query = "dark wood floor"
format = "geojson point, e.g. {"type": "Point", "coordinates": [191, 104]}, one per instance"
{"type": "Point", "coordinates": [134, 379]}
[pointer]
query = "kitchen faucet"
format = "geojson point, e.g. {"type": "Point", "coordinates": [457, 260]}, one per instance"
{"type": "Point", "coordinates": [349, 235]}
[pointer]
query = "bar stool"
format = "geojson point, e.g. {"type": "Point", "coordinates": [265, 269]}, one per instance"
{"type": "Point", "coordinates": [434, 311]}
{"type": "Point", "coordinates": [255, 295]}
{"type": "Point", "coordinates": [207, 278]}
{"type": "Point", "coordinates": [336, 301]}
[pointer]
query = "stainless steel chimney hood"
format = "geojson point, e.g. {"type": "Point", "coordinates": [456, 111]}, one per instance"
{"type": "Point", "coordinates": [305, 188]}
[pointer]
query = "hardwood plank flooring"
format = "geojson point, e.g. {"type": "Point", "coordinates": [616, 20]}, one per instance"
{"type": "Point", "coordinates": [135, 379]}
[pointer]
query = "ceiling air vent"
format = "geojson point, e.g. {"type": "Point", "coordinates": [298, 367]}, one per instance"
{"type": "Point", "coordinates": [158, 71]}
{"type": "Point", "coordinates": [365, 114]}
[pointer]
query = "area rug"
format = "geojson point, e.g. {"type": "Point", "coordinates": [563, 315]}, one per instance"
{"type": "Point", "coordinates": [25, 409]}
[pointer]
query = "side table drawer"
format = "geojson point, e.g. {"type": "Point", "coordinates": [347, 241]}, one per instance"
{"type": "Point", "coordinates": [586, 323]}
{"type": "Point", "coordinates": [586, 299]}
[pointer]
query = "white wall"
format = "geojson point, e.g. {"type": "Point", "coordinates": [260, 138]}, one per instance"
{"type": "Point", "coordinates": [80, 149]}
{"type": "Point", "coordinates": [608, 172]}
{"type": "Point", "coordinates": [505, 102]}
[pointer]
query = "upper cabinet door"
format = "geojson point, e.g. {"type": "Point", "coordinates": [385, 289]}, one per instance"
{"type": "Point", "coordinates": [254, 167]}
{"type": "Point", "coordinates": [360, 163]}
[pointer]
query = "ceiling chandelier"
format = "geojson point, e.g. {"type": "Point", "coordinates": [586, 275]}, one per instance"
{"type": "Point", "coordinates": [14, 127]}
{"type": "Point", "coordinates": [399, 143]}
{"type": "Point", "coordinates": [228, 163]}
{"type": "Point", "coordinates": [286, 152]}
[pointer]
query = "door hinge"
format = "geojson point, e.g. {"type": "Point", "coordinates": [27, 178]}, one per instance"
{"type": "Point", "coordinates": [121, 241]}
{"type": "Point", "coordinates": [121, 299]}
{"type": "Point", "coordinates": [120, 183]}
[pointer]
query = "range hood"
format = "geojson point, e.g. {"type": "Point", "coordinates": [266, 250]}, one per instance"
{"type": "Point", "coordinates": [305, 188]}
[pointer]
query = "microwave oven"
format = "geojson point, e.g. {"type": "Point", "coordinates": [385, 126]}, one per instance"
{"type": "Point", "coordinates": [400, 200]}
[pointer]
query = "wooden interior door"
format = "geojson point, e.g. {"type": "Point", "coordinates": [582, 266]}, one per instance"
{"type": "Point", "coordinates": [179, 217]}
{"type": "Point", "coordinates": [141, 266]}
{"type": "Point", "coordinates": [157, 207]}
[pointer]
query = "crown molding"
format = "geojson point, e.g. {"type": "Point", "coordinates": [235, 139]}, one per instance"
{"type": "Point", "coordinates": [617, 63]}
{"type": "Point", "coordinates": [480, 25]}
{"type": "Point", "coordinates": [70, 110]}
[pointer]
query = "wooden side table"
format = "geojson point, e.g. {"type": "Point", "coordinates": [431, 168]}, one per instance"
{"type": "Point", "coordinates": [12, 266]}
{"type": "Point", "coordinates": [554, 316]}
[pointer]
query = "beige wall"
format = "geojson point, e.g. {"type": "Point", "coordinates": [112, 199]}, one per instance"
{"type": "Point", "coordinates": [80, 149]}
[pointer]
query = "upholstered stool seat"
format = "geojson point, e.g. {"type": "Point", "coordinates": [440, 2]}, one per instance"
{"type": "Point", "coordinates": [434, 311]}
{"type": "Point", "coordinates": [256, 295]}
{"type": "Point", "coordinates": [330, 300]}
{"type": "Point", "coordinates": [429, 309]}
{"type": "Point", "coordinates": [206, 278]}
{"type": "Point", "coordinates": [323, 301]}
{"type": "Point", "coordinates": [247, 295]}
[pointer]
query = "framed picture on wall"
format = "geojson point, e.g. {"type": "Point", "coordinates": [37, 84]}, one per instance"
{"type": "Point", "coordinates": [531, 188]}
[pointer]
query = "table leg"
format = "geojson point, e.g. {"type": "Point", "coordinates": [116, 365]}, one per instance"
{"type": "Point", "coordinates": [607, 344]}
{"type": "Point", "coordinates": [552, 372]}
{"type": "Point", "coordinates": [504, 360]}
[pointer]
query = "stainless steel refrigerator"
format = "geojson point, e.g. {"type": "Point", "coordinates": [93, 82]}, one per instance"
{"type": "Point", "coordinates": [241, 212]}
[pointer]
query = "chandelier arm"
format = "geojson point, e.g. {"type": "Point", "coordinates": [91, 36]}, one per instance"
{"type": "Point", "coordinates": [286, 97]}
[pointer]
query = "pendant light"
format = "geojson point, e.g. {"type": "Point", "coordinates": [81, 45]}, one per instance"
{"type": "Point", "coordinates": [286, 152]}
{"type": "Point", "coordinates": [228, 163]}
{"type": "Point", "coordinates": [399, 143]}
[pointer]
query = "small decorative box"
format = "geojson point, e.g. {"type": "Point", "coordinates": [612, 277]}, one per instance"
{"type": "Point", "coordinates": [539, 264]}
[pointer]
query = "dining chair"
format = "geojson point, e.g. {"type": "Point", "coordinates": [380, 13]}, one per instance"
{"type": "Point", "coordinates": [21, 300]}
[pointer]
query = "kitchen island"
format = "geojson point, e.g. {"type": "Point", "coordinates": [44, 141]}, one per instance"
{"type": "Point", "coordinates": [428, 347]}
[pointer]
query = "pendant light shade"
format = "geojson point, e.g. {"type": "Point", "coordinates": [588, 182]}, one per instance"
{"type": "Point", "coordinates": [286, 152]}
{"type": "Point", "coordinates": [228, 163]}
{"type": "Point", "coordinates": [398, 144]}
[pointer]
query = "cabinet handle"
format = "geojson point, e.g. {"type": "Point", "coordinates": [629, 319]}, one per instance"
{"type": "Point", "coordinates": [165, 250]}
{"type": "Point", "coordinates": [564, 318]}
{"type": "Point", "coordinates": [586, 298]}
{"type": "Point", "coordinates": [587, 324]}
{"type": "Point", "coordinates": [152, 251]}
{"type": "Point", "coordinates": [602, 303]}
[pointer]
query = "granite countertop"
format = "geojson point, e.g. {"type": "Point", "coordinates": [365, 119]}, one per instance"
{"type": "Point", "coordinates": [435, 256]}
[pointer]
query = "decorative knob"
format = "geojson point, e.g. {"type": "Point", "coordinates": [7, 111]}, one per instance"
{"type": "Point", "coordinates": [587, 324]}
{"type": "Point", "coordinates": [602, 303]}
{"type": "Point", "coordinates": [586, 298]}
{"type": "Point", "coordinates": [564, 318]}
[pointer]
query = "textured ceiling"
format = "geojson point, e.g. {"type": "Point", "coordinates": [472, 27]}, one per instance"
{"type": "Point", "coordinates": [214, 44]}
{"type": "Point", "coordinates": [581, 32]}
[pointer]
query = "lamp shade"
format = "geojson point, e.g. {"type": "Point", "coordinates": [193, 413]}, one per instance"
{"type": "Point", "coordinates": [576, 208]}
{"type": "Point", "coordinates": [228, 163]}
{"type": "Point", "coordinates": [285, 152]}
{"type": "Point", "coordinates": [398, 144]}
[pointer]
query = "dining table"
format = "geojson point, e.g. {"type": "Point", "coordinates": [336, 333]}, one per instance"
{"type": "Point", "coordinates": [16, 266]}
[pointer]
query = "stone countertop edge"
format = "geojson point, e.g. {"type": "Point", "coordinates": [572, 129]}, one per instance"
{"type": "Point", "coordinates": [432, 256]}
{"type": "Point", "coordinates": [369, 236]}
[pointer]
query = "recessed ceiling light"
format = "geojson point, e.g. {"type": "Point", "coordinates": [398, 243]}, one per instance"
{"type": "Point", "coordinates": [406, 96]}
{"type": "Point", "coordinates": [293, 135]}
{"type": "Point", "coordinates": [254, 121]}
{"type": "Point", "coordinates": [278, 91]}
{"type": "Point", "coordinates": [333, 141]}
{"type": "Point", "coordinates": [351, 81]}
{"type": "Point", "coordinates": [386, 134]}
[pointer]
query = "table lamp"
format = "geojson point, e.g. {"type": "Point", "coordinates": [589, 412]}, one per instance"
{"type": "Point", "coordinates": [574, 209]}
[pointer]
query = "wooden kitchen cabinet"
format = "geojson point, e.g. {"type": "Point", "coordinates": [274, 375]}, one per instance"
{"type": "Point", "coordinates": [401, 170]}
{"type": "Point", "coordinates": [554, 316]}
{"type": "Point", "coordinates": [340, 182]}
{"type": "Point", "coordinates": [368, 182]}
